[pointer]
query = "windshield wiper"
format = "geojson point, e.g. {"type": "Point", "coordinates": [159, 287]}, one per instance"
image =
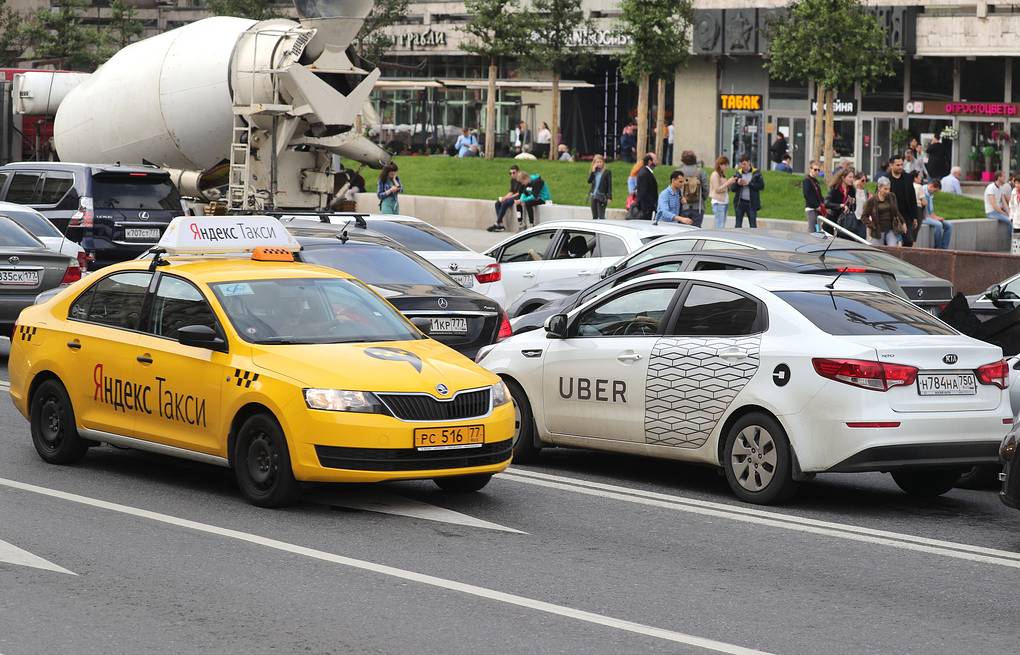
{"type": "Point", "coordinates": [279, 340]}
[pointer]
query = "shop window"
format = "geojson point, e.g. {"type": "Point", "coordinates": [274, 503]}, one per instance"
{"type": "Point", "coordinates": [1016, 80]}
{"type": "Point", "coordinates": [786, 90]}
{"type": "Point", "coordinates": [983, 79]}
{"type": "Point", "coordinates": [981, 149]}
{"type": "Point", "coordinates": [931, 78]}
{"type": "Point", "coordinates": [887, 94]}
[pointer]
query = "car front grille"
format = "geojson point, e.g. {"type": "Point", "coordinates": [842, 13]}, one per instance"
{"type": "Point", "coordinates": [408, 459]}
{"type": "Point", "coordinates": [422, 407]}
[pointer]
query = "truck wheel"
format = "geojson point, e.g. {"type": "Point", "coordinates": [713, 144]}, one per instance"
{"type": "Point", "coordinates": [926, 483]}
{"type": "Point", "coordinates": [262, 463]}
{"type": "Point", "coordinates": [525, 450]}
{"type": "Point", "coordinates": [54, 432]}
{"type": "Point", "coordinates": [757, 462]}
{"type": "Point", "coordinates": [463, 483]}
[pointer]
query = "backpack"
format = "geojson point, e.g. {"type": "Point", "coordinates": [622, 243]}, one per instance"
{"type": "Point", "coordinates": [692, 191]}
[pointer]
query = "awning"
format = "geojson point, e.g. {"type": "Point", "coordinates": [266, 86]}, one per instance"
{"type": "Point", "coordinates": [413, 85]}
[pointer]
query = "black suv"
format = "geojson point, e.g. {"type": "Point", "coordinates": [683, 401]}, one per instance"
{"type": "Point", "coordinates": [114, 212]}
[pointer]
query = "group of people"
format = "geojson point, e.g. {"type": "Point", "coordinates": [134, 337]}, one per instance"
{"type": "Point", "coordinates": [527, 191]}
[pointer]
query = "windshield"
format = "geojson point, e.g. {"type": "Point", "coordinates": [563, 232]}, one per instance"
{"type": "Point", "coordinates": [420, 237]}
{"type": "Point", "coordinates": [377, 265]}
{"type": "Point", "coordinates": [35, 223]}
{"type": "Point", "coordinates": [134, 191]}
{"type": "Point", "coordinates": [12, 234]}
{"type": "Point", "coordinates": [883, 260]}
{"type": "Point", "coordinates": [316, 310]}
{"type": "Point", "coordinates": [853, 313]}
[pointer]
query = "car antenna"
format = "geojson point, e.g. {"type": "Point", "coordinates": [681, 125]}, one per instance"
{"type": "Point", "coordinates": [832, 240]}
{"type": "Point", "coordinates": [832, 285]}
{"type": "Point", "coordinates": [157, 259]}
{"type": "Point", "coordinates": [343, 236]}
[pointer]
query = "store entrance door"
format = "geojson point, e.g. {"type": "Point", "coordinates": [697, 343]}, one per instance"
{"type": "Point", "coordinates": [877, 132]}
{"type": "Point", "coordinates": [795, 130]}
{"type": "Point", "coordinates": [741, 133]}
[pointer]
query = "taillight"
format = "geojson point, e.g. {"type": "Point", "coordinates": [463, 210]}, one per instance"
{"type": "Point", "coordinates": [72, 274]}
{"type": "Point", "coordinates": [505, 330]}
{"type": "Point", "coordinates": [848, 269]}
{"type": "Point", "coordinates": [83, 261]}
{"type": "Point", "coordinates": [876, 376]}
{"type": "Point", "coordinates": [491, 273]}
{"type": "Point", "coordinates": [996, 373]}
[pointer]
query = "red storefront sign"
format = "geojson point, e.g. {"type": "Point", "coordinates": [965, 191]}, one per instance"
{"type": "Point", "coordinates": [963, 108]}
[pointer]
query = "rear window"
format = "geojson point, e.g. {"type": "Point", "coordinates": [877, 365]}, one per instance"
{"type": "Point", "coordinates": [37, 224]}
{"type": "Point", "coordinates": [885, 261]}
{"type": "Point", "coordinates": [134, 191]}
{"type": "Point", "coordinates": [13, 235]}
{"type": "Point", "coordinates": [377, 265]}
{"type": "Point", "coordinates": [863, 313]}
{"type": "Point", "coordinates": [416, 236]}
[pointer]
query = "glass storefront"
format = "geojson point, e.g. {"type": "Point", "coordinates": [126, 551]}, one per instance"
{"type": "Point", "coordinates": [741, 134]}
{"type": "Point", "coordinates": [980, 149]}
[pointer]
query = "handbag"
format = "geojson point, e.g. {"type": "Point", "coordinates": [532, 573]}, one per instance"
{"type": "Point", "coordinates": [634, 213]}
{"type": "Point", "coordinates": [598, 196]}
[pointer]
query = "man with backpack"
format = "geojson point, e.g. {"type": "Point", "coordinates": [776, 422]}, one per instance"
{"type": "Point", "coordinates": [694, 189]}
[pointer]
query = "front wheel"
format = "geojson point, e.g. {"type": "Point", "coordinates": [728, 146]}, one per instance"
{"type": "Point", "coordinates": [463, 483]}
{"type": "Point", "coordinates": [525, 450]}
{"type": "Point", "coordinates": [926, 483]}
{"type": "Point", "coordinates": [757, 460]}
{"type": "Point", "coordinates": [262, 463]}
{"type": "Point", "coordinates": [54, 433]}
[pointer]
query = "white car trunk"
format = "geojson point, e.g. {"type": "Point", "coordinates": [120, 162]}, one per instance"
{"type": "Point", "coordinates": [459, 264]}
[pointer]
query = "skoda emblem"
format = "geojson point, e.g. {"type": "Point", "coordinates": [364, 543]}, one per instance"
{"type": "Point", "coordinates": [441, 388]}
{"type": "Point", "coordinates": [143, 216]}
{"type": "Point", "coordinates": [14, 260]}
{"type": "Point", "coordinates": [950, 359]}
{"type": "Point", "coordinates": [443, 303]}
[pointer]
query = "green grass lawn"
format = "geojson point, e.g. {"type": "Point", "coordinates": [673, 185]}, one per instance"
{"type": "Point", "coordinates": [487, 180]}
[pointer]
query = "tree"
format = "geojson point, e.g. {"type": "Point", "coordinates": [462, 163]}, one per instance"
{"type": "Point", "coordinates": [493, 31]}
{"type": "Point", "coordinates": [853, 50]}
{"type": "Point", "coordinates": [372, 42]}
{"type": "Point", "coordinates": [123, 28]}
{"type": "Point", "coordinates": [657, 44]}
{"type": "Point", "coordinates": [62, 38]}
{"type": "Point", "coordinates": [12, 37]}
{"type": "Point", "coordinates": [253, 9]}
{"type": "Point", "coordinates": [552, 46]}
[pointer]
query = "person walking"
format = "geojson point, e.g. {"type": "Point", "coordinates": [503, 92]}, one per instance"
{"type": "Point", "coordinates": [814, 201]}
{"type": "Point", "coordinates": [534, 192]}
{"type": "Point", "coordinates": [902, 187]}
{"type": "Point", "coordinates": [941, 230]}
{"type": "Point", "coordinates": [542, 141]}
{"type": "Point", "coordinates": [842, 198]}
{"type": "Point", "coordinates": [778, 150]}
{"type": "Point", "coordinates": [506, 202]}
{"type": "Point", "coordinates": [670, 142]}
{"type": "Point", "coordinates": [600, 187]}
{"type": "Point", "coordinates": [938, 158]}
{"type": "Point", "coordinates": [388, 189]}
{"type": "Point", "coordinates": [668, 209]}
{"type": "Point", "coordinates": [695, 188]}
{"type": "Point", "coordinates": [917, 152]}
{"type": "Point", "coordinates": [1014, 215]}
{"type": "Point", "coordinates": [951, 182]}
{"type": "Point", "coordinates": [647, 188]}
{"type": "Point", "coordinates": [628, 144]}
{"type": "Point", "coordinates": [886, 225]}
{"type": "Point", "coordinates": [747, 194]}
{"type": "Point", "coordinates": [719, 185]}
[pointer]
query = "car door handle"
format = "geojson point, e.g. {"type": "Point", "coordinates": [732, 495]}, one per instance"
{"type": "Point", "coordinates": [144, 359]}
{"type": "Point", "coordinates": [583, 273]}
{"type": "Point", "coordinates": [629, 356]}
{"type": "Point", "coordinates": [74, 345]}
{"type": "Point", "coordinates": [733, 355]}
{"type": "Point", "coordinates": [529, 274]}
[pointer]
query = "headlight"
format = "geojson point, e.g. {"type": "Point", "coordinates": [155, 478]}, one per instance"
{"type": "Point", "coordinates": [338, 400]}
{"type": "Point", "coordinates": [500, 394]}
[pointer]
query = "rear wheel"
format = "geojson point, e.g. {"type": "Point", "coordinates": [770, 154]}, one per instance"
{"type": "Point", "coordinates": [463, 483]}
{"type": "Point", "coordinates": [757, 460]}
{"type": "Point", "coordinates": [54, 432]}
{"type": "Point", "coordinates": [926, 483]}
{"type": "Point", "coordinates": [525, 450]}
{"type": "Point", "coordinates": [983, 476]}
{"type": "Point", "coordinates": [262, 463]}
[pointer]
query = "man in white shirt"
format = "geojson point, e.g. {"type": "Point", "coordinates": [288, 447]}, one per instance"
{"type": "Point", "coordinates": [670, 140]}
{"type": "Point", "coordinates": [951, 182]}
{"type": "Point", "coordinates": [993, 200]}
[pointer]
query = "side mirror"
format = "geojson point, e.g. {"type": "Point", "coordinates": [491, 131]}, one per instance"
{"type": "Point", "coordinates": [556, 327]}
{"type": "Point", "coordinates": [609, 270]}
{"type": "Point", "coordinates": [201, 336]}
{"type": "Point", "coordinates": [423, 324]}
{"type": "Point", "coordinates": [993, 292]}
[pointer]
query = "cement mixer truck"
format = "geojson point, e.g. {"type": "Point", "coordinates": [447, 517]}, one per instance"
{"type": "Point", "coordinates": [258, 107]}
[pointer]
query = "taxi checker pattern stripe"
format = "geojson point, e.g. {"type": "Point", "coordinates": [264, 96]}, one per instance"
{"type": "Point", "coordinates": [245, 378]}
{"type": "Point", "coordinates": [27, 332]}
{"type": "Point", "coordinates": [689, 386]}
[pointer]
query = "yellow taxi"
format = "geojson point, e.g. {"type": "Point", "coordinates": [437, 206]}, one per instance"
{"type": "Point", "coordinates": [286, 372]}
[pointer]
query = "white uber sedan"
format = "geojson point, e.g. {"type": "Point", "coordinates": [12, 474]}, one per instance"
{"type": "Point", "coordinates": [771, 376]}
{"type": "Point", "coordinates": [559, 249]}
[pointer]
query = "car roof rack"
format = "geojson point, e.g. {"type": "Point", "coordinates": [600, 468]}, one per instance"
{"type": "Point", "coordinates": [359, 219]}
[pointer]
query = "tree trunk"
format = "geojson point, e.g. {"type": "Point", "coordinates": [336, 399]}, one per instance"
{"type": "Point", "coordinates": [555, 125]}
{"type": "Point", "coordinates": [830, 97]}
{"type": "Point", "coordinates": [660, 118]}
{"type": "Point", "coordinates": [490, 111]}
{"type": "Point", "coordinates": [816, 150]}
{"type": "Point", "coordinates": [642, 116]}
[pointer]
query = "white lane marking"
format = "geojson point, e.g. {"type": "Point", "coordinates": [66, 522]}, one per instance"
{"type": "Point", "coordinates": [784, 521]}
{"type": "Point", "coordinates": [385, 503]}
{"type": "Point", "coordinates": [11, 554]}
{"type": "Point", "coordinates": [442, 583]}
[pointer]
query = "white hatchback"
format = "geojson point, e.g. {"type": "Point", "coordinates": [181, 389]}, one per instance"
{"type": "Point", "coordinates": [771, 376]}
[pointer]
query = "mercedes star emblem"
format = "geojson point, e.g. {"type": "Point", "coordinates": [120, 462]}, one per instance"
{"type": "Point", "coordinates": [14, 260]}
{"type": "Point", "coordinates": [441, 388]}
{"type": "Point", "coordinates": [950, 359]}
{"type": "Point", "coordinates": [443, 303]}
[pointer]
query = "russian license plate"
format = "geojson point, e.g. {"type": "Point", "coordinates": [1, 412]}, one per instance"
{"type": "Point", "coordinates": [19, 278]}
{"type": "Point", "coordinates": [464, 436]}
{"type": "Point", "coordinates": [954, 384]}
{"type": "Point", "coordinates": [449, 325]}
{"type": "Point", "coordinates": [151, 234]}
{"type": "Point", "coordinates": [464, 280]}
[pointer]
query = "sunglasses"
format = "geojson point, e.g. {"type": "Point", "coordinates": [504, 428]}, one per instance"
{"type": "Point", "coordinates": [816, 170]}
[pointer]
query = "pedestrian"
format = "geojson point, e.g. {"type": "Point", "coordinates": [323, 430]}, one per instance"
{"type": "Point", "coordinates": [719, 186]}
{"type": "Point", "coordinates": [388, 189]}
{"type": "Point", "coordinates": [542, 141]}
{"type": "Point", "coordinates": [909, 163]}
{"type": "Point", "coordinates": [814, 202]}
{"type": "Point", "coordinates": [467, 144]}
{"type": "Point", "coordinates": [919, 192]}
{"type": "Point", "coordinates": [902, 187]}
{"type": "Point", "coordinates": [842, 198]}
{"type": "Point", "coordinates": [600, 187]}
{"type": "Point", "coordinates": [883, 171]}
{"type": "Point", "coordinates": [535, 192]}
{"type": "Point", "coordinates": [564, 153]}
{"type": "Point", "coordinates": [670, 141]}
{"type": "Point", "coordinates": [647, 188]}
{"type": "Point", "coordinates": [669, 206]}
{"type": "Point", "coordinates": [778, 150]}
{"type": "Point", "coordinates": [747, 195]}
{"type": "Point", "coordinates": [506, 202]}
{"type": "Point", "coordinates": [523, 141]}
{"type": "Point", "coordinates": [886, 225]}
{"type": "Point", "coordinates": [628, 144]}
{"type": "Point", "coordinates": [918, 155]}
{"type": "Point", "coordinates": [993, 200]}
{"type": "Point", "coordinates": [1014, 212]}
{"type": "Point", "coordinates": [951, 182]}
{"type": "Point", "coordinates": [862, 194]}
{"type": "Point", "coordinates": [938, 158]}
{"type": "Point", "coordinates": [695, 188]}
{"type": "Point", "coordinates": [941, 230]}
{"type": "Point", "coordinates": [785, 166]}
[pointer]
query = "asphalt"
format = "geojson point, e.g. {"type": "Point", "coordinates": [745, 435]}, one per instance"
{"type": "Point", "coordinates": [600, 554]}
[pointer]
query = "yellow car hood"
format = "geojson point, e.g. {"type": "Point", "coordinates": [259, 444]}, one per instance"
{"type": "Point", "coordinates": [403, 366]}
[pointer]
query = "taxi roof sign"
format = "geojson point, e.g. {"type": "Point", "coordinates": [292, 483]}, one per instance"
{"type": "Point", "coordinates": [225, 234]}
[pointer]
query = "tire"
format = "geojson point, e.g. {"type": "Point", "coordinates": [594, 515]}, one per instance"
{"type": "Point", "coordinates": [262, 463]}
{"type": "Point", "coordinates": [983, 476]}
{"type": "Point", "coordinates": [926, 483]}
{"type": "Point", "coordinates": [757, 460]}
{"type": "Point", "coordinates": [463, 483]}
{"type": "Point", "coordinates": [54, 432]}
{"type": "Point", "coordinates": [525, 450]}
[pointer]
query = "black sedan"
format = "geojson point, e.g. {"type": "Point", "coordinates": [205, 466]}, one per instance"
{"type": "Point", "coordinates": [458, 317]}
{"type": "Point", "coordinates": [715, 260]}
